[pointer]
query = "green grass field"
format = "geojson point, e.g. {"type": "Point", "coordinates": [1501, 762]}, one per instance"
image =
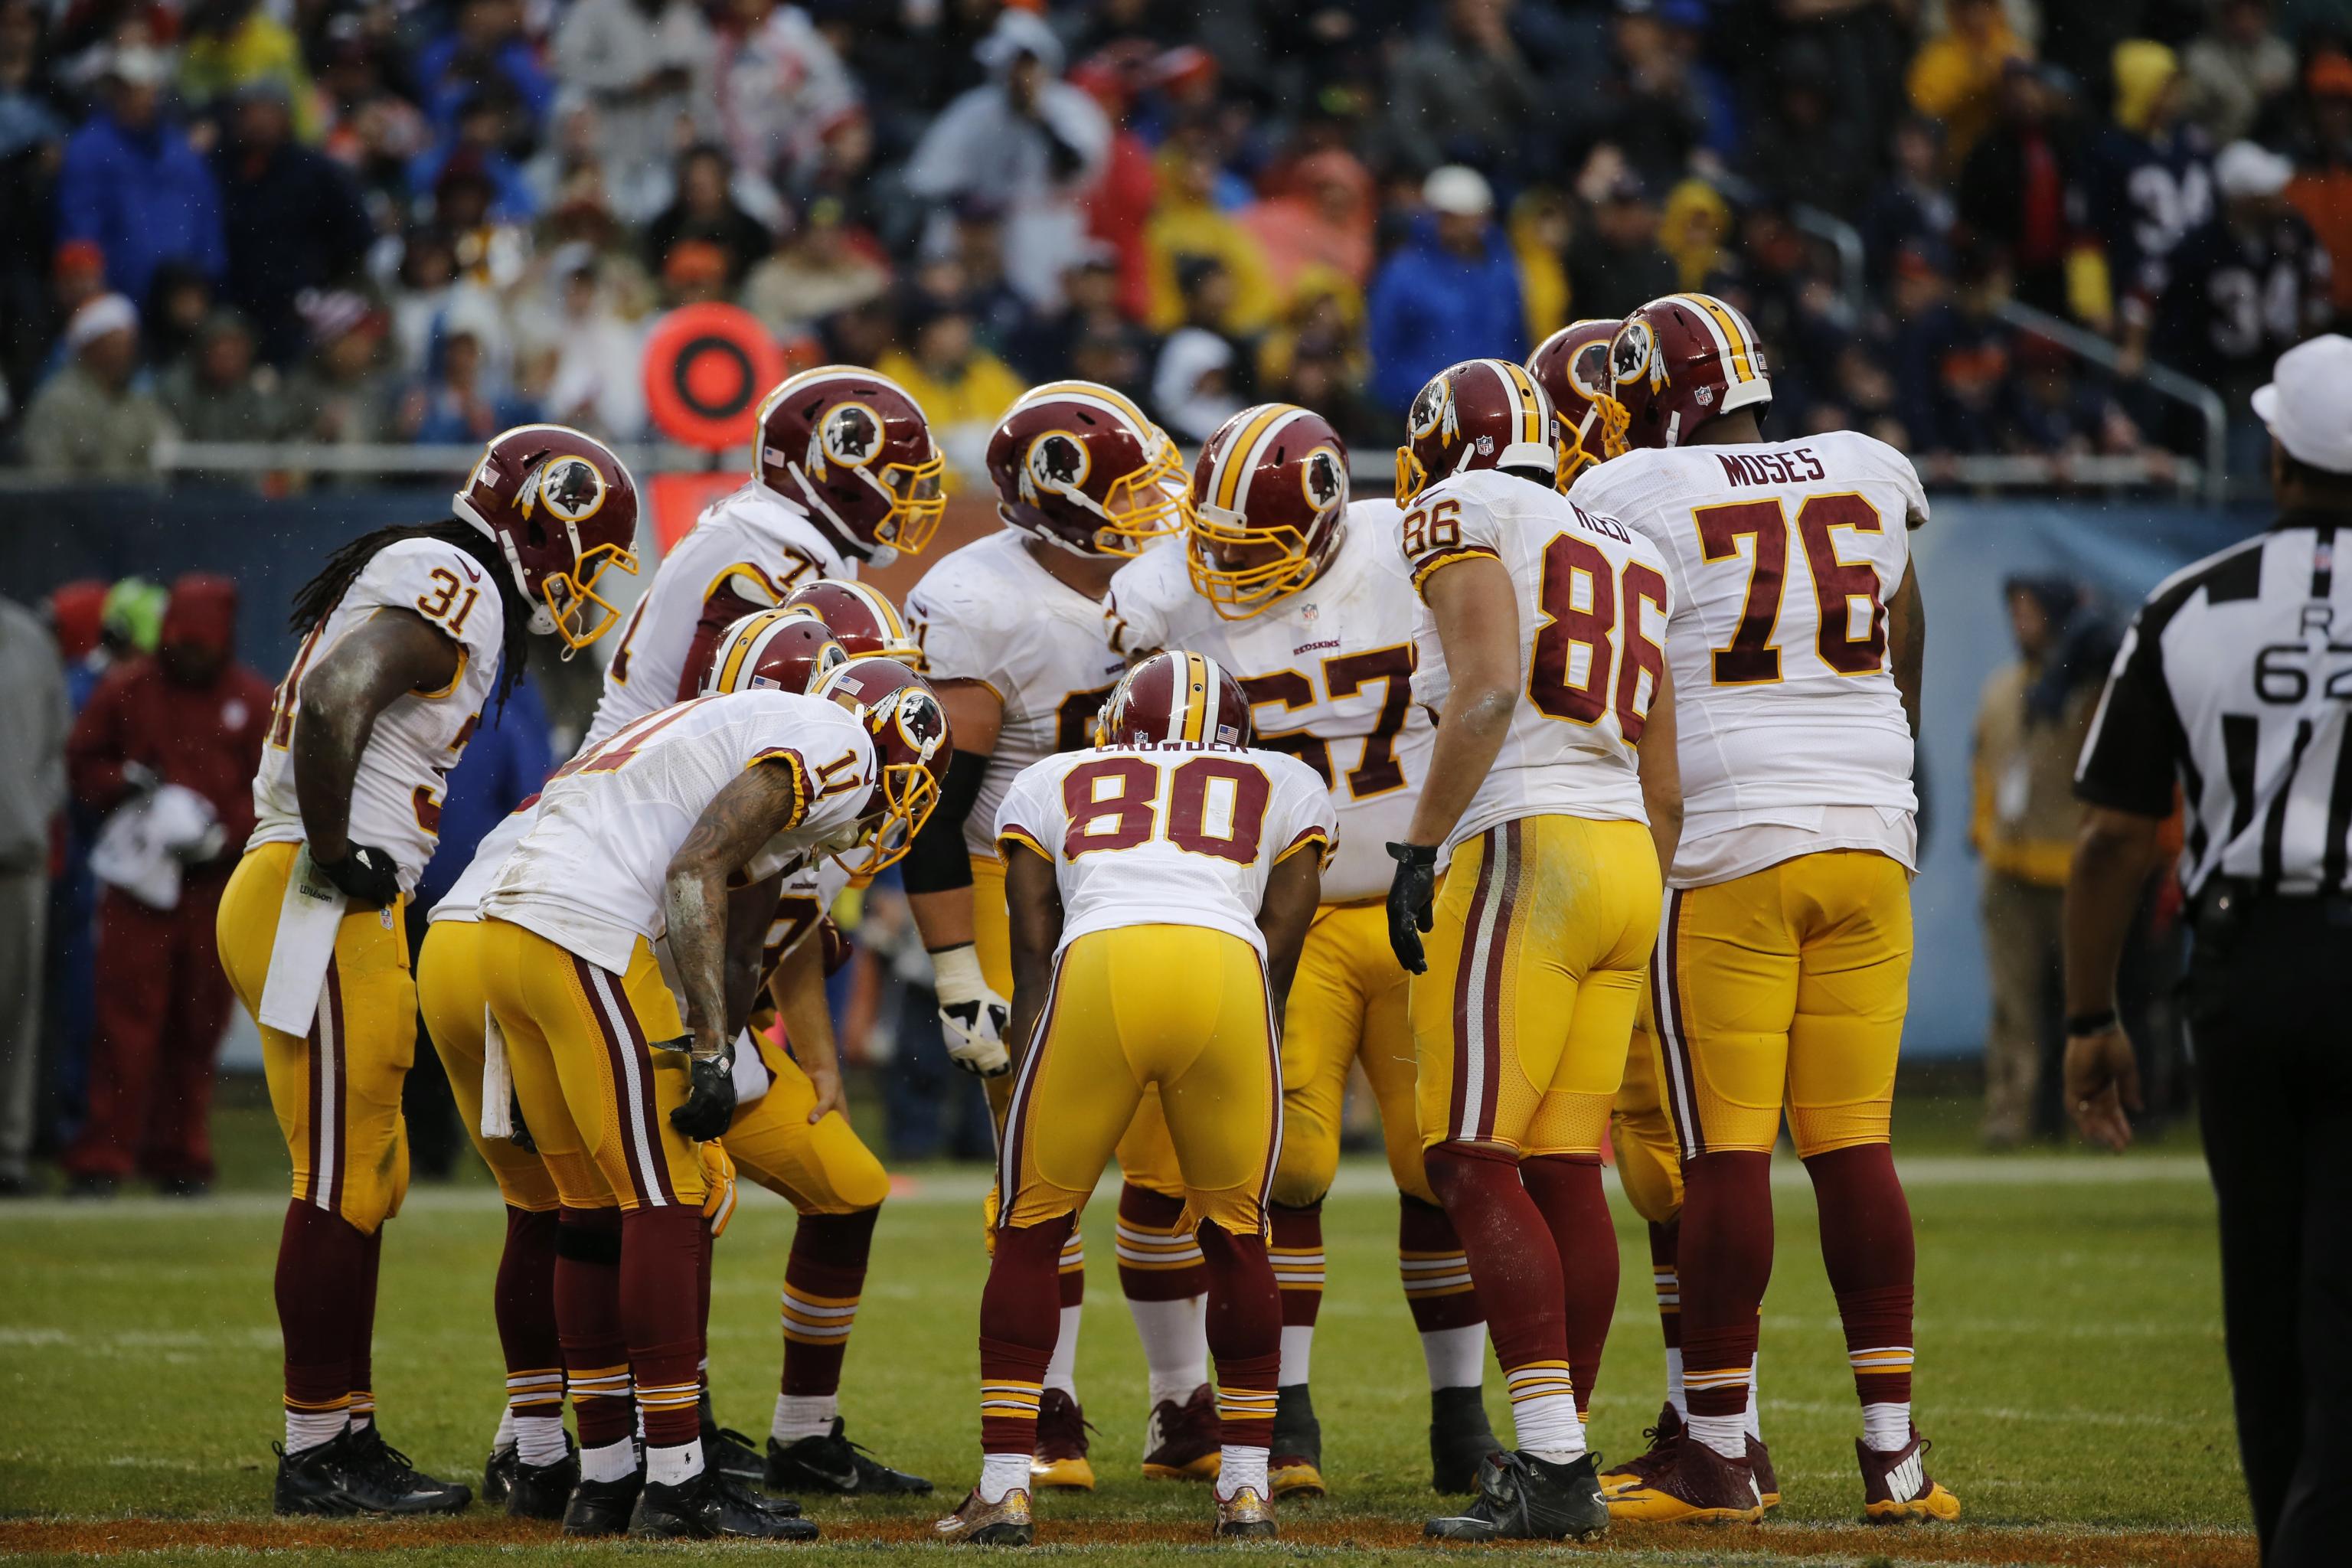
{"type": "Point", "coordinates": [2069, 1341]}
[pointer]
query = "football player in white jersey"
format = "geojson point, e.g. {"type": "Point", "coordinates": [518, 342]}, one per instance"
{"type": "Point", "coordinates": [845, 473]}
{"type": "Point", "coordinates": [1552, 782]}
{"type": "Point", "coordinates": [1783, 958]}
{"type": "Point", "coordinates": [1012, 633]}
{"type": "Point", "coordinates": [405, 633]}
{"type": "Point", "coordinates": [679, 829]}
{"type": "Point", "coordinates": [1162, 883]}
{"type": "Point", "coordinates": [1301, 595]}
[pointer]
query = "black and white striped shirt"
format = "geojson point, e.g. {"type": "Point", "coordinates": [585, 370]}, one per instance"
{"type": "Point", "coordinates": [2236, 675]}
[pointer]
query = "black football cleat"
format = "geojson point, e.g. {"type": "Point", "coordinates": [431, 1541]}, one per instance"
{"type": "Point", "coordinates": [1460, 1439]}
{"type": "Point", "coordinates": [836, 1467]}
{"type": "Point", "coordinates": [383, 1476]}
{"type": "Point", "coordinates": [1522, 1497]}
{"type": "Point", "coordinates": [311, 1482]}
{"type": "Point", "coordinates": [544, 1491]}
{"type": "Point", "coordinates": [708, 1506]}
{"type": "Point", "coordinates": [603, 1507]}
{"type": "Point", "coordinates": [498, 1474]}
{"type": "Point", "coordinates": [1296, 1467]}
{"type": "Point", "coordinates": [731, 1453]}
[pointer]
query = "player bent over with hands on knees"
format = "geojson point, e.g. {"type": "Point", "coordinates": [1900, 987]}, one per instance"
{"type": "Point", "coordinates": [1160, 887]}
{"type": "Point", "coordinates": [405, 633]}
{"type": "Point", "coordinates": [679, 828]}
{"type": "Point", "coordinates": [1554, 786]}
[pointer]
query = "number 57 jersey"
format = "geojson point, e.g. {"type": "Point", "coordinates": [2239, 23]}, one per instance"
{"type": "Point", "coordinates": [1183, 834]}
{"type": "Point", "coordinates": [1785, 556]}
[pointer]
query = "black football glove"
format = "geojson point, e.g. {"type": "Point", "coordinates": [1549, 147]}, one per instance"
{"type": "Point", "coordinates": [365, 873]}
{"type": "Point", "coordinates": [1411, 891]}
{"type": "Point", "coordinates": [710, 1103]}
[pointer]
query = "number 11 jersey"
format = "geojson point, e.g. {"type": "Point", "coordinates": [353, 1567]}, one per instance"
{"type": "Point", "coordinates": [1784, 555]}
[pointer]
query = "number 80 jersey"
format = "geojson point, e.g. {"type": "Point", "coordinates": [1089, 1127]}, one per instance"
{"type": "Point", "coordinates": [1593, 601]}
{"type": "Point", "coordinates": [1187, 833]}
{"type": "Point", "coordinates": [1785, 556]}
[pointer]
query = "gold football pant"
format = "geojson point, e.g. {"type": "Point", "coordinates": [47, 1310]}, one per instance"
{"type": "Point", "coordinates": [821, 1168]}
{"type": "Point", "coordinates": [1179, 1008]}
{"type": "Point", "coordinates": [595, 1096]}
{"type": "Point", "coordinates": [1648, 1161]}
{"type": "Point", "coordinates": [1542, 933]}
{"type": "Point", "coordinates": [1787, 986]}
{"type": "Point", "coordinates": [450, 996]}
{"type": "Point", "coordinates": [1146, 1156]}
{"type": "Point", "coordinates": [1347, 1005]}
{"type": "Point", "coordinates": [336, 1089]}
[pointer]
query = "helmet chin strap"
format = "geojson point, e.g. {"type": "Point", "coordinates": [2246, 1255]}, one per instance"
{"type": "Point", "coordinates": [845, 540]}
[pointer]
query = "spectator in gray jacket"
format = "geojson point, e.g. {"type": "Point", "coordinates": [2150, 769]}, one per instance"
{"type": "Point", "coordinates": [89, 421]}
{"type": "Point", "coordinates": [35, 717]}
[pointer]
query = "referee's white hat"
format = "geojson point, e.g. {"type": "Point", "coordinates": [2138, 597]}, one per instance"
{"type": "Point", "coordinates": [2308, 402]}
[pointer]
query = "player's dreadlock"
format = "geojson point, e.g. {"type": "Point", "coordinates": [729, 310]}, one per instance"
{"type": "Point", "coordinates": [317, 598]}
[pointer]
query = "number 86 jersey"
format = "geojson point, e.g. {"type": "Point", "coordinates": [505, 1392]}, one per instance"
{"type": "Point", "coordinates": [1183, 834]}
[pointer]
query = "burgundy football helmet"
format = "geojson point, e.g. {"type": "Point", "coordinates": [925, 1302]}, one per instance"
{"type": "Point", "coordinates": [911, 748]}
{"type": "Point", "coordinates": [562, 508]}
{"type": "Point", "coordinates": [1175, 696]}
{"type": "Point", "coordinates": [1573, 367]}
{"type": "Point", "coordinates": [1681, 361]}
{"type": "Point", "coordinates": [773, 650]}
{"type": "Point", "coordinates": [854, 449]}
{"type": "Point", "coordinates": [1269, 505]}
{"type": "Point", "coordinates": [861, 618]}
{"type": "Point", "coordinates": [1077, 465]}
{"type": "Point", "coordinates": [1480, 413]}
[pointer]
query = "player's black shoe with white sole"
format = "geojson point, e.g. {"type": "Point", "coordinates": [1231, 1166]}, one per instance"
{"type": "Point", "coordinates": [709, 1505]}
{"type": "Point", "coordinates": [1522, 1497]}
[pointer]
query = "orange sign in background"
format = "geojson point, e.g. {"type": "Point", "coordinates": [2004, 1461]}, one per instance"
{"type": "Point", "coordinates": [707, 367]}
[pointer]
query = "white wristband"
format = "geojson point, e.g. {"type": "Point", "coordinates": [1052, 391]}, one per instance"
{"type": "Point", "coordinates": [955, 974]}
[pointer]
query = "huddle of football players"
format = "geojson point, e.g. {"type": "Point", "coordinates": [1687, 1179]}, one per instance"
{"type": "Point", "coordinates": [1544, 794]}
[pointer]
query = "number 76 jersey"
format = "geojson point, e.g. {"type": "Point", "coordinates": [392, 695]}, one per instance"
{"type": "Point", "coordinates": [1187, 833]}
{"type": "Point", "coordinates": [1785, 556]}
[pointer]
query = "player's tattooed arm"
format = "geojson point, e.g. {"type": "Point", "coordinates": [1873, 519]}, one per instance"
{"type": "Point", "coordinates": [387, 657]}
{"type": "Point", "coordinates": [762, 801]}
{"type": "Point", "coordinates": [1661, 774]}
{"type": "Point", "coordinates": [1478, 615]}
{"type": "Point", "coordinates": [1034, 899]}
{"type": "Point", "coordinates": [1907, 641]}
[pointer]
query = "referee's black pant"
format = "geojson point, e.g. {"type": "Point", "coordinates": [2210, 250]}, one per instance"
{"type": "Point", "coordinates": [2270, 1013]}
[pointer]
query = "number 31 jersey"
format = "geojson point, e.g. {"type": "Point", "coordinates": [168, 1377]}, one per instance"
{"type": "Point", "coordinates": [1329, 673]}
{"type": "Point", "coordinates": [396, 795]}
{"type": "Point", "coordinates": [1593, 603]}
{"type": "Point", "coordinates": [1183, 833]}
{"type": "Point", "coordinates": [1785, 556]}
{"type": "Point", "coordinates": [989, 612]}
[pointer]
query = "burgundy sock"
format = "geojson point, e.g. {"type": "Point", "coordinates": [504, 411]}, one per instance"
{"type": "Point", "coordinates": [321, 1257]}
{"type": "Point", "coordinates": [1167, 1265]}
{"type": "Point", "coordinates": [1436, 1270]}
{"type": "Point", "coordinates": [1512, 1258]}
{"type": "Point", "coordinates": [1727, 1221]}
{"type": "Point", "coordinates": [824, 1277]}
{"type": "Point", "coordinates": [1245, 1328]}
{"type": "Point", "coordinates": [661, 1262]}
{"type": "Point", "coordinates": [1567, 1191]}
{"type": "Point", "coordinates": [362, 1374]}
{"type": "Point", "coordinates": [1666, 1279]}
{"type": "Point", "coordinates": [1019, 1320]}
{"type": "Point", "coordinates": [1297, 1257]}
{"type": "Point", "coordinates": [709, 1244]}
{"type": "Point", "coordinates": [588, 1323]}
{"type": "Point", "coordinates": [1867, 1247]}
{"type": "Point", "coordinates": [524, 1304]}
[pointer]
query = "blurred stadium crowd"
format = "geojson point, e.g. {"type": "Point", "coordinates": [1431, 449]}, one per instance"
{"type": "Point", "coordinates": [385, 221]}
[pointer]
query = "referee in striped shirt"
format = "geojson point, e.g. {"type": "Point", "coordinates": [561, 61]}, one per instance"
{"type": "Point", "coordinates": [2236, 682]}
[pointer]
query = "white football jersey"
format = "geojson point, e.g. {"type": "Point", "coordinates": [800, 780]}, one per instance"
{"type": "Point", "coordinates": [588, 874]}
{"type": "Point", "coordinates": [753, 541]}
{"type": "Point", "coordinates": [463, 902]}
{"type": "Point", "coordinates": [1329, 671]}
{"type": "Point", "coordinates": [1784, 557]}
{"type": "Point", "coordinates": [989, 612]}
{"type": "Point", "coordinates": [1593, 604]}
{"type": "Point", "coordinates": [396, 794]}
{"type": "Point", "coordinates": [1185, 834]}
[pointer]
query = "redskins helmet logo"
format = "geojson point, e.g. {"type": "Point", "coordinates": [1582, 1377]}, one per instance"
{"type": "Point", "coordinates": [1320, 477]}
{"type": "Point", "coordinates": [1587, 369]}
{"type": "Point", "coordinates": [571, 486]}
{"type": "Point", "coordinates": [1432, 408]}
{"type": "Point", "coordinates": [921, 723]}
{"type": "Point", "coordinates": [850, 434]}
{"type": "Point", "coordinates": [1056, 464]}
{"type": "Point", "coordinates": [1631, 354]}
